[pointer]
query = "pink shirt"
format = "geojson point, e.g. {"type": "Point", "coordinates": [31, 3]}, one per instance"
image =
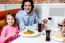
{"type": "Point", "coordinates": [7, 30]}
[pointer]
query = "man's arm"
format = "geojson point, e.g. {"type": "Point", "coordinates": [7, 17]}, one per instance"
{"type": "Point", "coordinates": [37, 19]}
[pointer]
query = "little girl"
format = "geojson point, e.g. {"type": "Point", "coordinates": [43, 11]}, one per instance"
{"type": "Point", "coordinates": [10, 30]}
{"type": "Point", "coordinates": [62, 25]}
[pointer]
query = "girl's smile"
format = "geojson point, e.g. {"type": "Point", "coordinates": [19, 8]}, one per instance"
{"type": "Point", "coordinates": [10, 20]}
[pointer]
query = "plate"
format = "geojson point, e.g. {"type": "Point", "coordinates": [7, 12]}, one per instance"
{"type": "Point", "coordinates": [58, 37]}
{"type": "Point", "coordinates": [29, 35]}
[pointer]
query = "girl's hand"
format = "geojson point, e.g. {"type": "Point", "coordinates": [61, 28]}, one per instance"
{"type": "Point", "coordinates": [20, 30]}
{"type": "Point", "coordinates": [12, 34]}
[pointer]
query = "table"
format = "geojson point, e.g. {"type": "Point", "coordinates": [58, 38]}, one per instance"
{"type": "Point", "coordinates": [37, 39]}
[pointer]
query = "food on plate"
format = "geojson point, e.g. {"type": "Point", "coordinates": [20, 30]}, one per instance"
{"type": "Point", "coordinates": [59, 35]}
{"type": "Point", "coordinates": [29, 32]}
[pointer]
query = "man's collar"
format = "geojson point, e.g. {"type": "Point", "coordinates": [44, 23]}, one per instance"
{"type": "Point", "coordinates": [29, 13]}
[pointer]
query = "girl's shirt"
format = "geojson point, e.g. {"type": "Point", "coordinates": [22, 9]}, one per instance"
{"type": "Point", "coordinates": [7, 30]}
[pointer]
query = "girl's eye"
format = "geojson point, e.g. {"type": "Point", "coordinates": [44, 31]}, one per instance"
{"type": "Point", "coordinates": [8, 18]}
{"type": "Point", "coordinates": [12, 18]}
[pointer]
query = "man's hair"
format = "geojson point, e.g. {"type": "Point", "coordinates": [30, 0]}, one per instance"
{"type": "Point", "coordinates": [32, 4]}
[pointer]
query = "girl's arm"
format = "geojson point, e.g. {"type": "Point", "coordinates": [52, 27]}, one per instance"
{"type": "Point", "coordinates": [15, 33]}
{"type": "Point", "coordinates": [3, 34]}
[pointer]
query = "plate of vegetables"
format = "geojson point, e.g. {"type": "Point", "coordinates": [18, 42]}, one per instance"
{"type": "Point", "coordinates": [29, 33]}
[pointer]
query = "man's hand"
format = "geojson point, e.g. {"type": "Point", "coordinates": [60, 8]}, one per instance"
{"type": "Point", "coordinates": [45, 21]}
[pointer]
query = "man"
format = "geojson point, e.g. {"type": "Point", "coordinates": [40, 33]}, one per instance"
{"type": "Point", "coordinates": [26, 17]}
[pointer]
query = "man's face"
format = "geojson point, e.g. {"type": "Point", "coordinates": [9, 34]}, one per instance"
{"type": "Point", "coordinates": [27, 7]}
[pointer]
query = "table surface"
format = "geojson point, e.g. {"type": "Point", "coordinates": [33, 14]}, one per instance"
{"type": "Point", "coordinates": [37, 39]}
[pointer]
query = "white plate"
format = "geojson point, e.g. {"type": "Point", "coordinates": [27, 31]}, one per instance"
{"type": "Point", "coordinates": [57, 39]}
{"type": "Point", "coordinates": [29, 35]}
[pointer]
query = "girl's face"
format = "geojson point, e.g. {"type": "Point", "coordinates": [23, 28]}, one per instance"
{"type": "Point", "coordinates": [27, 7]}
{"type": "Point", "coordinates": [10, 20]}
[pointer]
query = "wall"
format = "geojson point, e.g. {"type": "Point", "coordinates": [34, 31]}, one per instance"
{"type": "Point", "coordinates": [43, 10]}
{"type": "Point", "coordinates": [2, 7]}
{"type": "Point", "coordinates": [57, 8]}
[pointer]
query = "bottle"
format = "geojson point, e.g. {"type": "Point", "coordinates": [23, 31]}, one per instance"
{"type": "Point", "coordinates": [39, 27]}
{"type": "Point", "coordinates": [47, 35]}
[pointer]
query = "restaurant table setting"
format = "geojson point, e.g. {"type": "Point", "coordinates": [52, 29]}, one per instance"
{"type": "Point", "coordinates": [46, 36]}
